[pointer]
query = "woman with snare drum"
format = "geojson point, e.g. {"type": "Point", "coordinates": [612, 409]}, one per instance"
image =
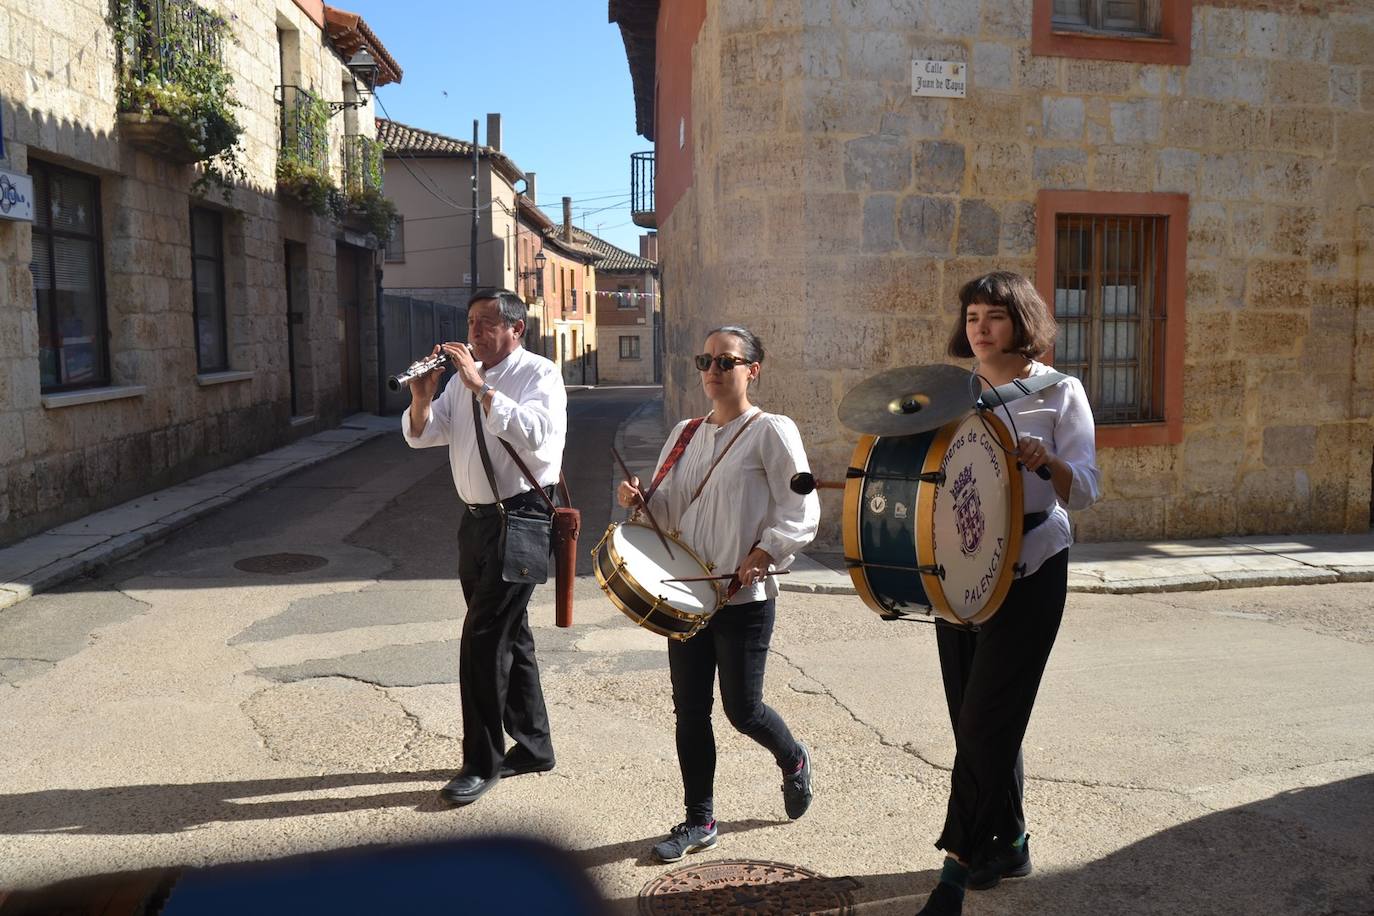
{"type": "Point", "coordinates": [991, 673]}
{"type": "Point", "coordinates": [745, 519]}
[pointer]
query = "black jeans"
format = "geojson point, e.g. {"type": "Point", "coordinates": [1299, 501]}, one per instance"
{"type": "Point", "coordinates": [991, 676]}
{"type": "Point", "coordinates": [735, 643]}
{"type": "Point", "coordinates": [497, 671]}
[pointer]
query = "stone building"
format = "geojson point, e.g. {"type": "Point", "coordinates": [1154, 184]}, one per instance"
{"type": "Point", "coordinates": [152, 329]}
{"type": "Point", "coordinates": [1189, 183]}
{"type": "Point", "coordinates": [627, 343]}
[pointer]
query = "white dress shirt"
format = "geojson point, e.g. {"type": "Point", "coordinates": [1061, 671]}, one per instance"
{"type": "Point", "coordinates": [1061, 418]}
{"type": "Point", "coordinates": [746, 500]}
{"type": "Point", "coordinates": [529, 409]}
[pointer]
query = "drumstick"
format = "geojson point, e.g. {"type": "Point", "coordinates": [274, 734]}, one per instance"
{"type": "Point", "coordinates": [781, 572]}
{"type": "Point", "coordinates": [643, 503]}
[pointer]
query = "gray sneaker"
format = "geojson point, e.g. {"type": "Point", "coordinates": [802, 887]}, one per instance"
{"type": "Point", "coordinates": [796, 787]}
{"type": "Point", "coordinates": [685, 838]}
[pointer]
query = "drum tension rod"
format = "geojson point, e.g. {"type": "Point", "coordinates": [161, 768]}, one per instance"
{"type": "Point", "coordinates": [935, 477]}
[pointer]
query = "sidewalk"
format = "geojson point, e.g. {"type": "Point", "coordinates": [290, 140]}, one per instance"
{"type": "Point", "coordinates": [66, 552]}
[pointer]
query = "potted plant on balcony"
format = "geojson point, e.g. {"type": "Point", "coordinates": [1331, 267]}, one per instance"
{"type": "Point", "coordinates": [175, 95]}
{"type": "Point", "coordinates": [364, 205]}
{"type": "Point", "coordinates": [303, 168]}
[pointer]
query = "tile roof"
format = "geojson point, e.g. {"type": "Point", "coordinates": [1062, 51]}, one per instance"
{"type": "Point", "coordinates": [350, 32]}
{"type": "Point", "coordinates": [614, 259]}
{"type": "Point", "coordinates": [403, 140]}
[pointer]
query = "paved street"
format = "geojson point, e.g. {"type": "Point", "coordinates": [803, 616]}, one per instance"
{"type": "Point", "coordinates": [1192, 752]}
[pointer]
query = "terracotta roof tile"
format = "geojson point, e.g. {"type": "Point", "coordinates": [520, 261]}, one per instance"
{"type": "Point", "coordinates": [613, 259]}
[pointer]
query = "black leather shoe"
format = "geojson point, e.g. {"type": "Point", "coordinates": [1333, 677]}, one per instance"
{"type": "Point", "coordinates": [1010, 863]}
{"type": "Point", "coordinates": [466, 788]}
{"type": "Point", "coordinates": [518, 762]}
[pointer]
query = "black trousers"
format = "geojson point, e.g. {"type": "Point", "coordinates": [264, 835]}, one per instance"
{"type": "Point", "coordinates": [735, 643]}
{"type": "Point", "coordinates": [991, 676]}
{"type": "Point", "coordinates": [498, 674]}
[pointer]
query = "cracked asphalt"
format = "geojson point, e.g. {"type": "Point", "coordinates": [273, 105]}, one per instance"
{"type": "Point", "coordinates": [1204, 753]}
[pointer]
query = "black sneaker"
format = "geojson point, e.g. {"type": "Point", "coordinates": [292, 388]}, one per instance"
{"type": "Point", "coordinates": [796, 787]}
{"type": "Point", "coordinates": [1012, 862]}
{"type": "Point", "coordinates": [685, 838]}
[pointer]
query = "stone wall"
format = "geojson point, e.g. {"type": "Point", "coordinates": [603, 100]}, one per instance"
{"type": "Point", "coordinates": [57, 82]}
{"type": "Point", "coordinates": [838, 215]}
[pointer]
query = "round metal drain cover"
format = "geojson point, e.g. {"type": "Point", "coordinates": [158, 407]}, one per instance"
{"type": "Point", "coordinates": [745, 885]}
{"type": "Point", "coordinates": [281, 564]}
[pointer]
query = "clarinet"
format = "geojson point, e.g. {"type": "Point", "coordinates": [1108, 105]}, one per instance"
{"type": "Point", "coordinates": [419, 368]}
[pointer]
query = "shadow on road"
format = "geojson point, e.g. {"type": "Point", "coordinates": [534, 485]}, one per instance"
{"type": "Point", "coordinates": [158, 809]}
{"type": "Point", "coordinates": [638, 850]}
{"type": "Point", "coordinates": [1301, 853]}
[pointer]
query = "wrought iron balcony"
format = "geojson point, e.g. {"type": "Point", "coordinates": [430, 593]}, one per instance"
{"type": "Point", "coordinates": [304, 119]}
{"type": "Point", "coordinates": [362, 165]}
{"type": "Point", "coordinates": [642, 173]}
{"type": "Point", "coordinates": [166, 40]}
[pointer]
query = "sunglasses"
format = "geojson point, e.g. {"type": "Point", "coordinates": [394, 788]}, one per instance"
{"type": "Point", "coordinates": [724, 362]}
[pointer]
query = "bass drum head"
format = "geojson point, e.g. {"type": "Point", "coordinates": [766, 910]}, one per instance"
{"type": "Point", "coordinates": [880, 523]}
{"type": "Point", "coordinates": [647, 564]}
{"type": "Point", "coordinates": [969, 526]}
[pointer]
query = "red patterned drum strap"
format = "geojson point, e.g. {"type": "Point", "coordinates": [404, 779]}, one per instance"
{"type": "Point", "coordinates": [678, 448]}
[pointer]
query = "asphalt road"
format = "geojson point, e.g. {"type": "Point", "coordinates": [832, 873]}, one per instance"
{"type": "Point", "coordinates": [1206, 753]}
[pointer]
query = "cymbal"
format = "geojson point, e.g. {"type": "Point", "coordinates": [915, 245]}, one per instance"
{"type": "Point", "coordinates": [909, 400]}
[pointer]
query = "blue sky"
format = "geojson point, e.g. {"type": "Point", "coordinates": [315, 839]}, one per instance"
{"type": "Point", "coordinates": [556, 71]}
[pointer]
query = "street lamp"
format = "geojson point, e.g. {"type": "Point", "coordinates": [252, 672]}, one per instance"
{"type": "Point", "coordinates": [364, 69]}
{"type": "Point", "coordinates": [540, 261]}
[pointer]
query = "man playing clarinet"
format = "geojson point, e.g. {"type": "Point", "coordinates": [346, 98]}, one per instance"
{"type": "Point", "coordinates": [500, 393]}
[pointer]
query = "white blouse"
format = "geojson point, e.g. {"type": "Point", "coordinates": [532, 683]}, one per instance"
{"type": "Point", "coordinates": [747, 499]}
{"type": "Point", "coordinates": [1060, 417]}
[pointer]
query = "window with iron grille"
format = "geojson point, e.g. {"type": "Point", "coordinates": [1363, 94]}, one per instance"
{"type": "Point", "coordinates": [623, 299]}
{"type": "Point", "coordinates": [207, 284]}
{"type": "Point", "coordinates": [396, 244]}
{"type": "Point", "coordinates": [1110, 303]}
{"type": "Point", "coordinates": [629, 347]}
{"type": "Point", "coordinates": [68, 290]}
{"type": "Point", "coordinates": [1132, 17]}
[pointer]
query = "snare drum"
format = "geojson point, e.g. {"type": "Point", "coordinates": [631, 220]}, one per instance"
{"type": "Point", "coordinates": [932, 522]}
{"type": "Point", "coordinates": [631, 565]}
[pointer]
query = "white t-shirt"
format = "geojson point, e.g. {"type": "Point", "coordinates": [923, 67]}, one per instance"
{"type": "Point", "coordinates": [747, 499]}
{"type": "Point", "coordinates": [1060, 417]}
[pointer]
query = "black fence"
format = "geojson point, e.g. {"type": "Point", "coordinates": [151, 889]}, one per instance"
{"type": "Point", "coordinates": [410, 329]}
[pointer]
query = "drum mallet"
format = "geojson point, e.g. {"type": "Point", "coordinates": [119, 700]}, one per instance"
{"type": "Point", "coordinates": [805, 482]}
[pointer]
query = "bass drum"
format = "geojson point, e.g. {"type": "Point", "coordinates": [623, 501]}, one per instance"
{"type": "Point", "coordinates": [631, 567]}
{"type": "Point", "coordinates": [932, 522]}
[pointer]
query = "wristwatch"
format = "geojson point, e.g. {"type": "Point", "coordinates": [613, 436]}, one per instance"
{"type": "Point", "coordinates": [482, 392]}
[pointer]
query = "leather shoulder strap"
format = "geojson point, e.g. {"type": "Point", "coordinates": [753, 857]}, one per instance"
{"type": "Point", "coordinates": [1019, 388]}
{"type": "Point", "coordinates": [481, 434]}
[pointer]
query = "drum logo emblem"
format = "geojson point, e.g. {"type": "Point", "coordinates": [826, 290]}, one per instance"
{"type": "Point", "coordinates": [968, 512]}
{"type": "Point", "coordinates": [877, 504]}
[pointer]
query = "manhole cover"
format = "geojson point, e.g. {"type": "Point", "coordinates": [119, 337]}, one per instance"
{"type": "Point", "coordinates": [745, 885]}
{"type": "Point", "coordinates": [279, 564]}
